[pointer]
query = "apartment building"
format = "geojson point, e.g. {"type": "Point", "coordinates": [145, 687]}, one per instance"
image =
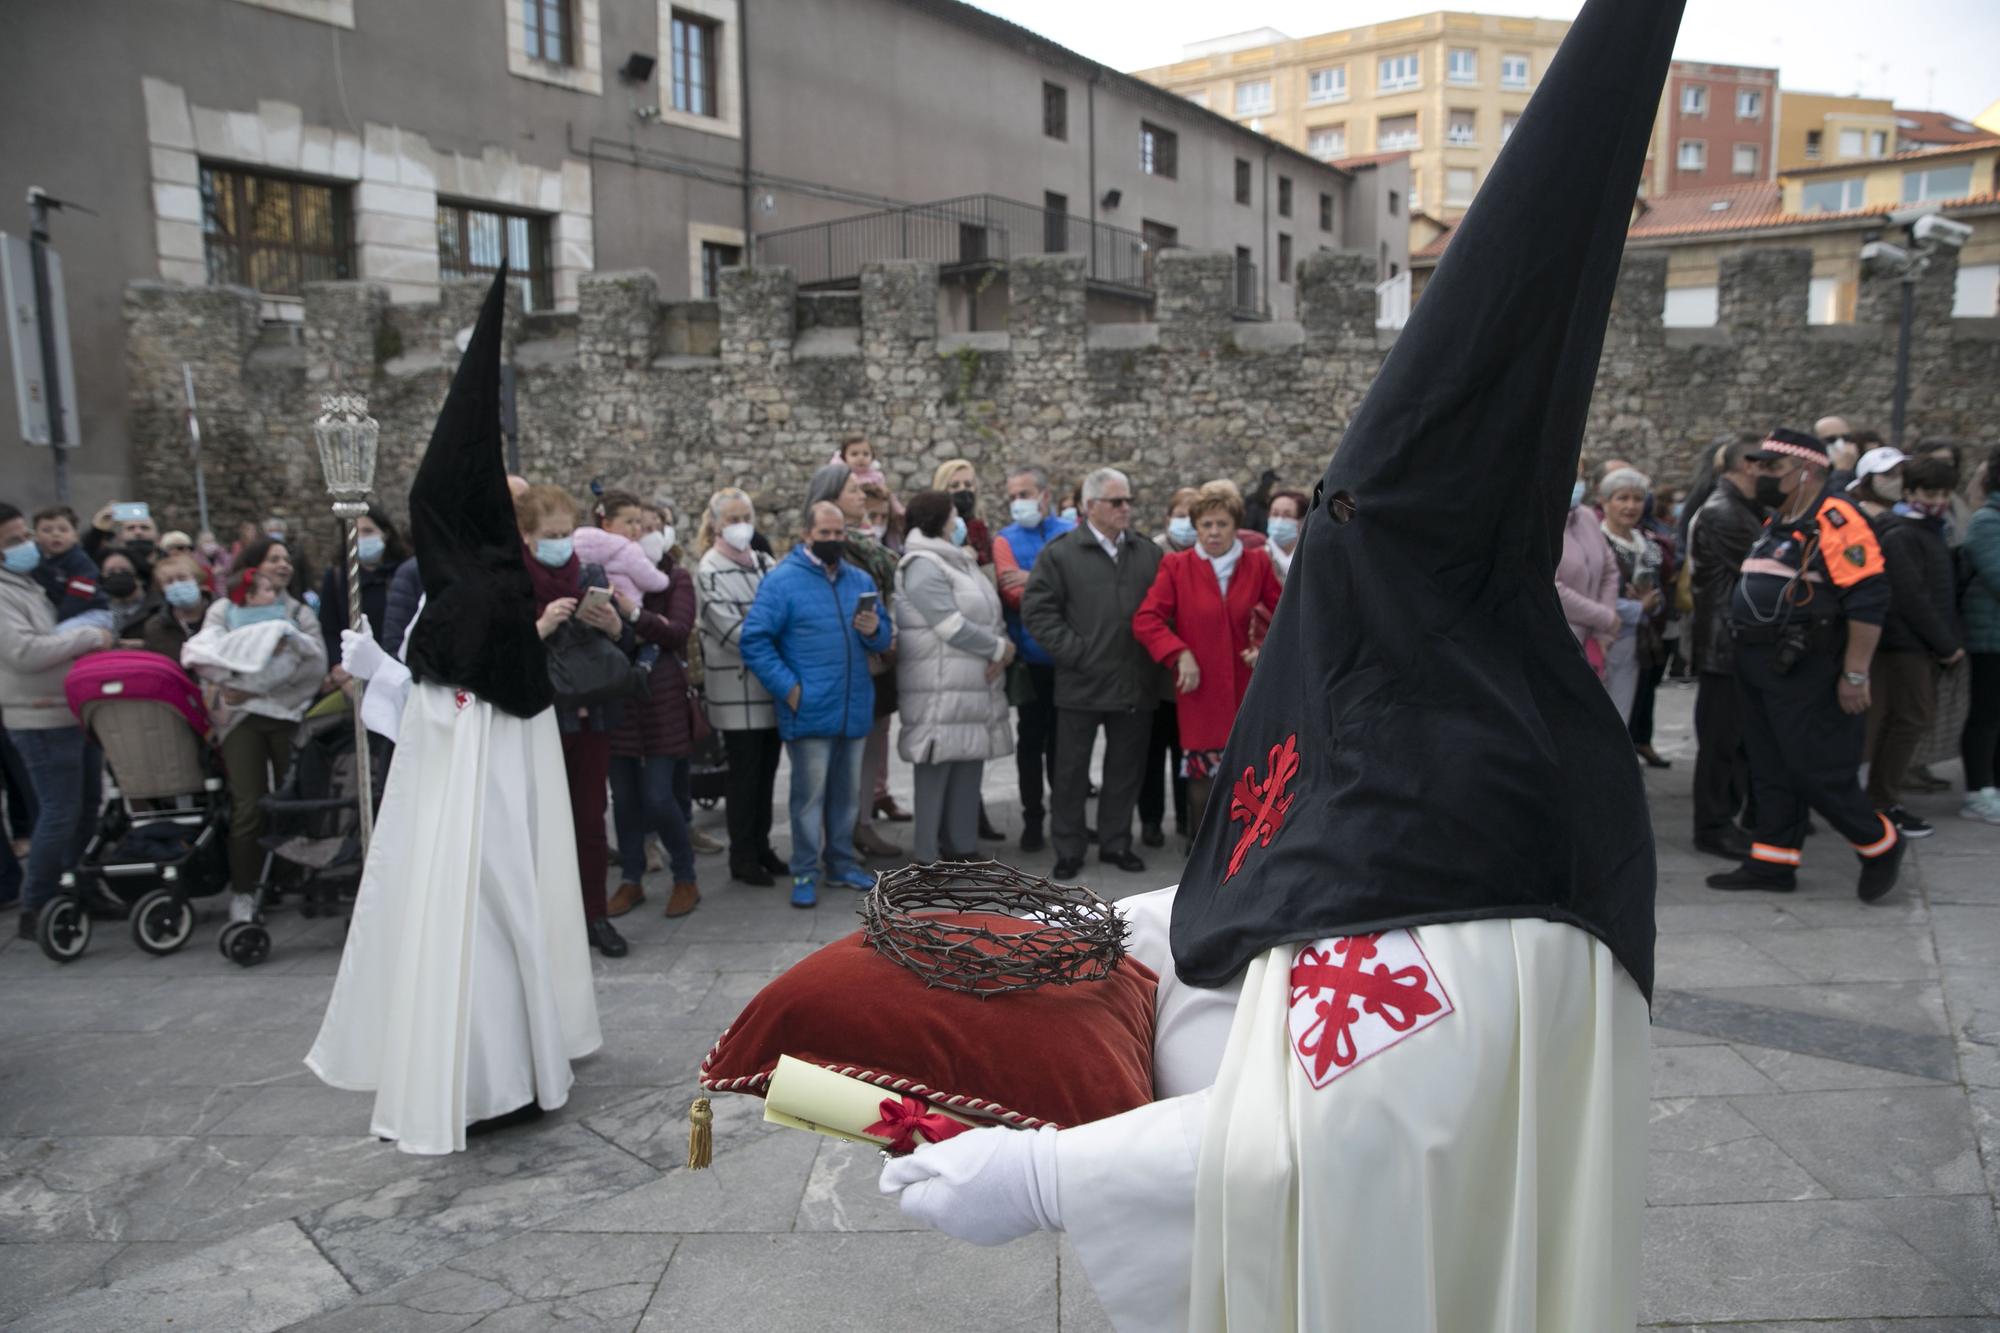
{"type": "Point", "coordinates": [1817, 128]}
{"type": "Point", "coordinates": [1717, 126]}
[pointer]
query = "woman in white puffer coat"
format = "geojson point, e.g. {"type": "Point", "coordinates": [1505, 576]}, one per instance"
{"type": "Point", "coordinates": [951, 676]}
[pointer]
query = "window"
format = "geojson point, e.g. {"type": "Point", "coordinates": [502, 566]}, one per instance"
{"type": "Point", "coordinates": [715, 257]}
{"type": "Point", "coordinates": [1513, 71]}
{"type": "Point", "coordinates": [1284, 196]}
{"type": "Point", "coordinates": [1852, 143]}
{"type": "Point", "coordinates": [1199, 97]}
{"type": "Point", "coordinates": [1694, 99]}
{"type": "Point", "coordinates": [1462, 130]}
{"type": "Point", "coordinates": [1462, 66]}
{"type": "Point", "coordinates": [1327, 142]}
{"type": "Point", "coordinates": [1694, 155]}
{"type": "Point", "coordinates": [546, 30]}
{"type": "Point", "coordinates": [1159, 151]}
{"type": "Point", "coordinates": [1745, 160]}
{"type": "Point", "coordinates": [1242, 180]}
{"type": "Point", "coordinates": [1055, 222]}
{"type": "Point", "coordinates": [695, 52]}
{"type": "Point", "coordinates": [1813, 141]}
{"type": "Point", "coordinates": [1395, 203]}
{"type": "Point", "coordinates": [1326, 212]}
{"type": "Point", "coordinates": [1395, 132]}
{"type": "Point", "coordinates": [1396, 72]}
{"type": "Point", "coordinates": [1055, 111]}
{"type": "Point", "coordinates": [472, 240]}
{"type": "Point", "coordinates": [1823, 301]}
{"type": "Point", "coordinates": [1508, 120]}
{"type": "Point", "coordinates": [1937, 183]}
{"type": "Point", "coordinates": [1284, 257]}
{"type": "Point", "coordinates": [1878, 143]}
{"type": "Point", "coordinates": [1327, 85]}
{"type": "Point", "coordinates": [1459, 183]}
{"type": "Point", "coordinates": [272, 233]}
{"type": "Point", "coordinates": [1749, 104]}
{"type": "Point", "coordinates": [1690, 307]}
{"type": "Point", "coordinates": [1976, 295]}
{"type": "Point", "coordinates": [1831, 196]}
{"type": "Point", "coordinates": [1246, 280]}
{"type": "Point", "coordinates": [1416, 189]}
{"type": "Point", "coordinates": [1253, 98]}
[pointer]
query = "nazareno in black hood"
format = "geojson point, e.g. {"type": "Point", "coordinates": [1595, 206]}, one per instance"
{"type": "Point", "coordinates": [1423, 740]}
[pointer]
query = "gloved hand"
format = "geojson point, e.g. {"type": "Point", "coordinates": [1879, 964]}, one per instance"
{"type": "Point", "coordinates": [987, 1186]}
{"type": "Point", "coordinates": [360, 656]}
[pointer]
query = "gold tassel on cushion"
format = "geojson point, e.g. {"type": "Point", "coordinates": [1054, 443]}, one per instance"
{"type": "Point", "coordinates": [701, 1135]}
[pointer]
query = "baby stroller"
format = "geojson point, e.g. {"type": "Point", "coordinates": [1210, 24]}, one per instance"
{"type": "Point", "coordinates": [312, 830]}
{"type": "Point", "coordinates": [162, 832]}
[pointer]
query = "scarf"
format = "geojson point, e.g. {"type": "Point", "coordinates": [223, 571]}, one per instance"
{"type": "Point", "coordinates": [1224, 565]}
{"type": "Point", "coordinates": [553, 584]}
{"type": "Point", "coordinates": [747, 557]}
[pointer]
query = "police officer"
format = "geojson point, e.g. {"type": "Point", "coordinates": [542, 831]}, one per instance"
{"type": "Point", "coordinates": [1805, 618]}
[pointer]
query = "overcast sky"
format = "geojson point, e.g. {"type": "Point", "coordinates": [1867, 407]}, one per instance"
{"type": "Point", "coordinates": [1927, 54]}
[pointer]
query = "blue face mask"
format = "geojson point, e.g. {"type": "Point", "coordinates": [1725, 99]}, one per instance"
{"type": "Point", "coordinates": [1025, 512]}
{"type": "Point", "coordinates": [554, 551]}
{"type": "Point", "coordinates": [1576, 493]}
{"type": "Point", "coordinates": [370, 549]}
{"type": "Point", "coordinates": [1069, 514]}
{"type": "Point", "coordinates": [1181, 530]}
{"type": "Point", "coordinates": [183, 593]}
{"type": "Point", "coordinates": [956, 531]}
{"type": "Point", "coordinates": [239, 616]}
{"type": "Point", "coordinates": [1284, 531]}
{"type": "Point", "coordinates": [22, 559]}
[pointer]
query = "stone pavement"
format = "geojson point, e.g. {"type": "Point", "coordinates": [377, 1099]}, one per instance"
{"type": "Point", "coordinates": [1825, 1137]}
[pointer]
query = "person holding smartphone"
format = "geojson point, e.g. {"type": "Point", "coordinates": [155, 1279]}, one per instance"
{"type": "Point", "coordinates": [1623, 495]}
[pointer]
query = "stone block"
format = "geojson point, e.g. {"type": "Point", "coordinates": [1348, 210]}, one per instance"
{"type": "Point", "coordinates": [246, 137]}
{"type": "Point", "coordinates": [281, 126]}
{"type": "Point", "coordinates": [1047, 303]}
{"type": "Point", "coordinates": [176, 203]}
{"type": "Point", "coordinates": [380, 152]}
{"type": "Point", "coordinates": [617, 318]}
{"type": "Point", "coordinates": [179, 240]}
{"type": "Point", "coordinates": [346, 156]}
{"type": "Point", "coordinates": [1336, 297]}
{"type": "Point", "coordinates": [211, 133]}
{"type": "Point", "coordinates": [575, 177]}
{"type": "Point", "coordinates": [396, 200]}
{"type": "Point", "coordinates": [899, 303]}
{"type": "Point", "coordinates": [1197, 295]}
{"type": "Point", "coordinates": [174, 166]}
{"type": "Point", "coordinates": [168, 124]}
{"type": "Point", "coordinates": [1763, 291]}
{"type": "Point", "coordinates": [759, 307]}
{"type": "Point", "coordinates": [316, 150]}
{"type": "Point", "coordinates": [1640, 295]}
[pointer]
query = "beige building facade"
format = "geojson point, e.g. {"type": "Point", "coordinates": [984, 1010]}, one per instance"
{"type": "Point", "coordinates": [1818, 128]}
{"type": "Point", "coordinates": [1445, 87]}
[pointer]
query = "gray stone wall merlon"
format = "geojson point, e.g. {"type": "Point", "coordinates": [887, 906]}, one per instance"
{"type": "Point", "coordinates": [756, 388]}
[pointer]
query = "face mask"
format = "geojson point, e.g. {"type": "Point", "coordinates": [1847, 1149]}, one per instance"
{"type": "Point", "coordinates": [655, 545]}
{"type": "Point", "coordinates": [879, 531]}
{"type": "Point", "coordinates": [119, 584]}
{"type": "Point", "coordinates": [1284, 531]}
{"type": "Point", "coordinates": [1886, 487]}
{"type": "Point", "coordinates": [738, 535]}
{"type": "Point", "coordinates": [554, 551]}
{"type": "Point", "coordinates": [1025, 512]}
{"type": "Point", "coordinates": [139, 548]}
{"type": "Point", "coordinates": [1576, 493]}
{"type": "Point", "coordinates": [829, 553]}
{"type": "Point", "coordinates": [370, 549]}
{"type": "Point", "coordinates": [963, 502]}
{"type": "Point", "coordinates": [183, 593]}
{"type": "Point", "coordinates": [956, 531]}
{"type": "Point", "coordinates": [1931, 508]}
{"type": "Point", "coordinates": [1181, 531]}
{"type": "Point", "coordinates": [239, 616]}
{"type": "Point", "coordinates": [1771, 492]}
{"type": "Point", "coordinates": [22, 559]}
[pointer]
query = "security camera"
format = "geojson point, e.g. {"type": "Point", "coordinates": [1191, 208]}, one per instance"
{"type": "Point", "coordinates": [1937, 229]}
{"type": "Point", "coordinates": [1884, 255]}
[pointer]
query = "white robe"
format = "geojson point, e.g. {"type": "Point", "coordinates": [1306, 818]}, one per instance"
{"type": "Point", "coordinates": [465, 987]}
{"type": "Point", "coordinates": [1484, 1174]}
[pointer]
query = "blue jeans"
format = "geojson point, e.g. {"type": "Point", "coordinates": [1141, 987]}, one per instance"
{"type": "Point", "coordinates": [642, 802]}
{"type": "Point", "coordinates": [826, 778]}
{"type": "Point", "coordinates": [65, 770]}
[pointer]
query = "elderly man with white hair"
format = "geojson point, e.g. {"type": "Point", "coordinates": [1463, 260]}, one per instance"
{"type": "Point", "coordinates": [1079, 604]}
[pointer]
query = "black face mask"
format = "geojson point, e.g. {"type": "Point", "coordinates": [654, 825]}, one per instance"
{"type": "Point", "coordinates": [963, 501]}
{"type": "Point", "coordinates": [119, 584]}
{"type": "Point", "coordinates": [829, 553]}
{"type": "Point", "coordinates": [1770, 493]}
{"type": "Point", "coordinates": [139, 548]}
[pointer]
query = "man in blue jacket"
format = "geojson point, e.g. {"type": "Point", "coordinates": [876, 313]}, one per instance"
{"type": "Point", "coordinates": [1014, 552]}
{"type": "Point", "coordinates": [807, 638]}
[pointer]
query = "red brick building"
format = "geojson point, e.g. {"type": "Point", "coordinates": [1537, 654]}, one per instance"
{"type": "Point", "coordinates": [1717, 126]}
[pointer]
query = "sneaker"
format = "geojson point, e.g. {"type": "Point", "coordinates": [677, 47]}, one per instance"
{"type": "Point", "coordinates": [803, 894]}
{"type": "Point", "coordinates": [859, 880]}
{"type": "Point", "coordinates": [1878, 873]}
{"type": "Point", "coordinates": [704, 842]}
{"type": "Point", "coordinates": [1908, 823]}
{"type": "Point", "coordinates": [1982, 805]}
{"type": "Point", "coordinates": [685, 897]}
{"type": "Point", "coordinates": [242, 907]}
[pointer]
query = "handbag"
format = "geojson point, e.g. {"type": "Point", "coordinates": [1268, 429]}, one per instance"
{"type": "Point", "coordinates": [699, 729]}
{"type": "Point", "coordinates": [587, 668]}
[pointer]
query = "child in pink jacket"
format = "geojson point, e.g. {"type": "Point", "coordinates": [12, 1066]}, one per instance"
{"type": "Point", "coordinates": [625, 565]}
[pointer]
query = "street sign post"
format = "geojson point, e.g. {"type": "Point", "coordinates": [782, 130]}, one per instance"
{"type": "Point", "coordinates": [38, 339]}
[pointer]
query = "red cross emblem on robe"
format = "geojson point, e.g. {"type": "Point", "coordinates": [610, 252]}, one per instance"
{"type": "Point", "coordinates": [1357, 996]}
{"type": "Point", "coordinates": [461, 698]}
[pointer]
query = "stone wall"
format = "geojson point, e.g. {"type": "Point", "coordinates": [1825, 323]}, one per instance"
{"type": "Point", "coordinates": [755, 390]}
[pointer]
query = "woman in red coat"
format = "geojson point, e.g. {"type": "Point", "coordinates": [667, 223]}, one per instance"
{"type": "Point", "coordinates": [1197, 620]}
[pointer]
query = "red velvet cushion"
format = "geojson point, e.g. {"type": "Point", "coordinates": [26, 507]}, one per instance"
{"type": "Point", "coordinates": [1057, 1055]}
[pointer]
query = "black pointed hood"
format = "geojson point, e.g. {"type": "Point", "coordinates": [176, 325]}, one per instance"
{"type": "Point", "coordinates": [1423, 739]}
{"type": "Point", "coordinates": [477, 631]}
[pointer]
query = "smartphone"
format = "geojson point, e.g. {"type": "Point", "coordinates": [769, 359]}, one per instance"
{"type": "Point", "coordinates": [130, 512]}
{"type": "Point", "coordinates": [594, 598]}
{"type": "Point", "coordinates": [865, 603]}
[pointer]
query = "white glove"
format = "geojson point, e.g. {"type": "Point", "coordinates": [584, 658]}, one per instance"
{"type": "Point", "coordinates": [987, 1186]}
{"type": "Point", "coordinates": [360, 656]}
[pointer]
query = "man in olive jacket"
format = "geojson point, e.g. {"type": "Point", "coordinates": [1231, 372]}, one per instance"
{"type": "Point", "coordinates": [1079, 603]}
{"type": "Point", "coordinates": [1719, 537]}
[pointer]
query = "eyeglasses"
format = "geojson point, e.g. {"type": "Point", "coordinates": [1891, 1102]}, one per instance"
{"type": "Point", "coordinates": [1121, 501]}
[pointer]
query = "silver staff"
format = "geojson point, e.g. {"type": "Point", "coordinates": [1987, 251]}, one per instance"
{"type": "Point", "coordinates": [346, 435]}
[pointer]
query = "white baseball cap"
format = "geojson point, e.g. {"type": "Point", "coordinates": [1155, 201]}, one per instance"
{"type": "Point", "coordinates": [1883, 458]}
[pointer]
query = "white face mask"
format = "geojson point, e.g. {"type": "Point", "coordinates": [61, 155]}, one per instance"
{"type": "Point", "coordinates": [738, 535]}
{"type": "Point", "coordinates": [656, 544]}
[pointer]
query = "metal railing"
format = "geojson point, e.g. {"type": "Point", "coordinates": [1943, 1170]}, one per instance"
{"type": "Point", "coordinates": [1392, 301]}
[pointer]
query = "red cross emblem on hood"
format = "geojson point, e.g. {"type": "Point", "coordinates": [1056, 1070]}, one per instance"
{"type": "Point", "coordinates": [1260, 804]}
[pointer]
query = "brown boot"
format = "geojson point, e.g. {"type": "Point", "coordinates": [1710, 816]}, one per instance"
{"type": "Point", "coordinates": [683, 899]}
{"type": "Point", "coordinates": [629, 896]}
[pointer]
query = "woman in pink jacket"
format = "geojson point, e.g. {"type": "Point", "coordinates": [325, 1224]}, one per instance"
{"type": "Point", "coordinates": [1587, 580]}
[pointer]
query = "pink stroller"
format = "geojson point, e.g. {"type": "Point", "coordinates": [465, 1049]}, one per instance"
{"type": "Point", "coordinates": [162, 833]}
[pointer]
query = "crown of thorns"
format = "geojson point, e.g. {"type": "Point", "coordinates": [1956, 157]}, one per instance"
{"type": "Point", "coordinates": [914, 917]}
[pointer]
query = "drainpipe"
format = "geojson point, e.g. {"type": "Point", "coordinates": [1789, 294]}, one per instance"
{"type": "Point", "coordinates": [1267, 232]}
{"type": "Point", "coordinates": [743, 92]}
{"type": "Point", "coordinates": [1090, 132]}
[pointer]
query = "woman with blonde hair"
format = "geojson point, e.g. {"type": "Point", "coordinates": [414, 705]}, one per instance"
{"type": "Point", "coordinates": [957, 478]}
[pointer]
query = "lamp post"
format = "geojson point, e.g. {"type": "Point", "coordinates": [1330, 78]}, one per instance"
{"type": "Point", "coordinates": [347, 437]}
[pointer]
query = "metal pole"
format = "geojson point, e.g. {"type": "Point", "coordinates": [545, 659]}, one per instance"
{"type": "Point", "coordinates": [1901, 400]}
{"type": "Point", "coordinates": [364, 775]}
{"type": "Point", "coordinates": [194, 450]}
{"type": "Point", "coordinates": [38, 243]}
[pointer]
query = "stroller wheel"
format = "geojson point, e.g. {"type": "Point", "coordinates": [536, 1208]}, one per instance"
{"type": "Point", "coordinates": [245, 943]}
{"type": "Point", "coordinates": [63, 928]}
{"type": "Point", "coordinates": [162, 921]}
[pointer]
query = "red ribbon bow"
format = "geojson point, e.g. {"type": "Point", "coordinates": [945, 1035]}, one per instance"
{"type": "Point", "coordinates": [904, 1118]}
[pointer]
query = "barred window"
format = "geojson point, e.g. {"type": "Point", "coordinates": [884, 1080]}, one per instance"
{"type": "Point", "coordinates": [473, 240]}
{"type": "Point", "coordinates": [273, 233]}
